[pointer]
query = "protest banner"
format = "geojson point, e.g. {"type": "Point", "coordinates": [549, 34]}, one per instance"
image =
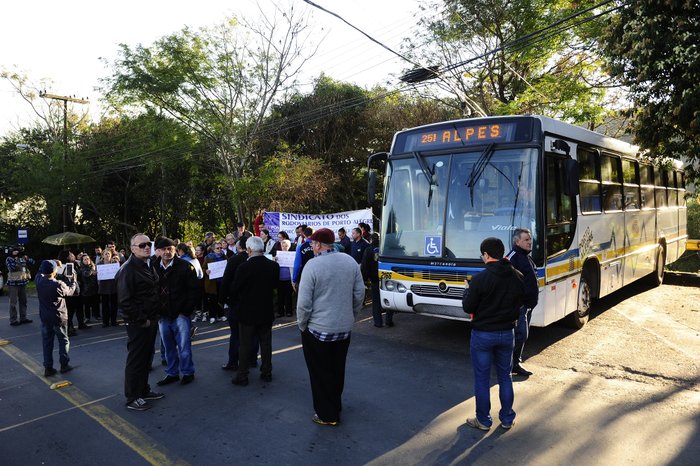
{"type": "Point", "coordinates": [284, 221]}
{"type": "Point", "coordinates": [285, 258]}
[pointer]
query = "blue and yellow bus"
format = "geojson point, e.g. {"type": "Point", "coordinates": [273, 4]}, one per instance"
{"type": "Point", "coordinates": [601, 214]}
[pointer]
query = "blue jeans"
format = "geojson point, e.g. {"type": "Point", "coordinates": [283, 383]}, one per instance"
{"type": "Point", "coordinates": [175, 335]}
{"type": "Point", "coordinates": [485, 348]}
{"type": "Point", "coordinates": [48, 331]}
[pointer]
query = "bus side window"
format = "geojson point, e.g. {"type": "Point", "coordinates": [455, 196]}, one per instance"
{"type": "Point", "coordinates": [646, 180]}
{"type": "Point", "coordinates": [589, 181]}
{"type": "Point", "coordinates": [560, 213]}
{"type": "Point", "coordinates": [660, 189]}
{"type": "Point", "coordinates": [612, 187]}
{"type": "Point", "coordinates": [630, 170]}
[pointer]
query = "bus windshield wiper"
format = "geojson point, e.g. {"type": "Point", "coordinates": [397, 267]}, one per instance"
{"type": "Point", "coordinates": [429, 175]}
{"type": "Point", "coordinates": [478, 169]}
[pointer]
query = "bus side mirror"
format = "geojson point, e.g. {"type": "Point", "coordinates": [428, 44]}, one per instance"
{"type": "Point", "coordinates": [571, 177]}
{"type": "Point", "coordinates": [372, 175]}
{"type": "Point", "coordinates": [372, 186]}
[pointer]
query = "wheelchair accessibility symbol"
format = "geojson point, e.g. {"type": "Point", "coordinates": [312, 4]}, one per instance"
{"type": "Point", "coordinates": [433, 246]}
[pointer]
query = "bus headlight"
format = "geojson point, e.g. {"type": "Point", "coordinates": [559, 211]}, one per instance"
{"type": "Point", "coordinates": [391, 285]}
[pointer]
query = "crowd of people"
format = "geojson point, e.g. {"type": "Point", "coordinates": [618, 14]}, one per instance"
{"type": "Point", "coordinates": [167, 290]}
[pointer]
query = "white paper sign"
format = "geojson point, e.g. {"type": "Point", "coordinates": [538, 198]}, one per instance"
{"type": "Point", "coordinates": [107, 271]}
{"type": "Point", "coordinates": [285, 258]}
{"type": "Point", "coordinates": [216, 269]}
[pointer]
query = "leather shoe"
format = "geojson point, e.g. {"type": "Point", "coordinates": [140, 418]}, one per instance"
{"type": "Point", "coordinates": [266, 378]}
{"type": "Point", "coordinates": [230, 367]}
{"type": "Point", "coordinates": [26, 321]}
{"type": "Point", "coordinates": [241, 382]}
{"type": "Point", "coordinates": [49, 371]}
{"type": "Point", "coordinates": [168, 380]}
{"type": "Point", "coordinates": [187, 379]}
{"type": "Point", "coordinates": [66, 368]}
{"type": "Point", "coordinates": [520, 370]}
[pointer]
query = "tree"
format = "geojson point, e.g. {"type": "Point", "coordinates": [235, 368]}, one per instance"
{"type": "Point", "coordinates": [652, 47]}
{"type": "Point", "coordinates": [219, 82]}
{"type": "Point", "coordinates": [533, 68]}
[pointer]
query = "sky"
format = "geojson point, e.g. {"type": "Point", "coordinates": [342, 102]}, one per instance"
{"type": "Point", "coordinates": [62, 42]}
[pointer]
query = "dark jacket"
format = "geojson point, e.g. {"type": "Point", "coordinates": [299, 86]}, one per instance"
{"type": "Point", "coordinates": [524, 264]}
{"type": "Point", "coordinates": [304, 253]}
{"type": "Point", "coordinates": [87, 277]}
{"type": "Point", "coordinates": [52, 299]}
{"type": "Point", "coordinates": [347, 244]}
{"type": "Point", "coordinates": [253, 288]}
{"type": "Point", "coordinates": [179, 288]}
{"type": "Point", "coordinates": [494, 297]}
{"type": "Point", "coordinates": [137, 291]}
{"type": "Point", "coordinates": [370, 264]}
{"type": "Point", "coordinates": [232, 264]}
{"type": "Point", "coordinates": [358, 249]}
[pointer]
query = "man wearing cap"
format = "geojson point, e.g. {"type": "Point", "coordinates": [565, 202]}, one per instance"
{"type": "Point", "coordinates": [326, 311]}
{"type": "Point", "coordinates": [178, 289]}
{"type": "Point", "coordinates": [139, 300]}
{"type": "Point", "coordinates": [17, 278]}
{"type": "Point", "coordinates": [252, 289]}
{"type": "Point", "coordinates": [54, 314]}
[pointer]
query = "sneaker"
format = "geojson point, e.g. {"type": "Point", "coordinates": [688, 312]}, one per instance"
{"type": "Point", "coordinates": [205, 316]}
{"type": "Point", "coordinates": [224, 319]}
{"type": "Point", "coordinates": [318, 420]}
{"type": "Point", "coordinates": [507, 426]}
{"type": "Point", "coordinates": [212, 320]}
{"type": "Point", "coordinates": [154, 396]}
{"type": "Point", "coordinates": [193, 332]}
{"type": "Point", "coordinates": [139, 404]}
{"type": "Point", "coordinates": [219, 319]}
{"type": "Point", "coordinates": [474, 422]}
{"type": "Point", "coordinates": [26, 321]}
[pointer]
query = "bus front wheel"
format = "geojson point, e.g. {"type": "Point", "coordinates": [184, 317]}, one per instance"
{"type": "Point", "coordinates": [579, 317]}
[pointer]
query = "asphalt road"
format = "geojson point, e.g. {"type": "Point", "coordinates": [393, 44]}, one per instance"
{"type": "Point", "coordinates": [624, 389]}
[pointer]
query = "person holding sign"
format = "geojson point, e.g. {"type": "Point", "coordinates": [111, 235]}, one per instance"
{"type": "Point", "coordinates": [107, 287]}
{"type": "Point", "coordinates": [213, 274]}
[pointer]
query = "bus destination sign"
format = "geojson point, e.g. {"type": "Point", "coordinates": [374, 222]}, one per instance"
{"type": "Point", "coordinates": [457, 135]}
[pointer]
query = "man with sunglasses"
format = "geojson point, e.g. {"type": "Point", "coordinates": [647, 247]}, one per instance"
{"type": "Point", "coordinates": [138, 292]}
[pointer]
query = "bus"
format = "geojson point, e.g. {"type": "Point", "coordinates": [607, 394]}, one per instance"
{"type": "Point", "coordinates": [601, 214]}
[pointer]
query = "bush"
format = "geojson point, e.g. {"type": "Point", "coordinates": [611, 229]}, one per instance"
{"type": "Point", "coordinates": [693, 218]}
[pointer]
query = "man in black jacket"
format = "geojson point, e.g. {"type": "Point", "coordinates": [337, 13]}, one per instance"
{"type": "Point", "coordinates": [253, 288]}
{"type": "Point", "coordinates": [227, 297]}
{"type": "Point", "coordinates": [137, 291]}
{"type": "Point", "coordinates": [493, 300]}
{"type": "Point", "coordinates": [520, 258]}
{"type": "Point", "coordinates": [178, 296]}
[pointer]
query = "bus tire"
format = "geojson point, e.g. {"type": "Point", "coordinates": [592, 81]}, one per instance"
{"type": "Point", "coordinates": [579, 317]}
{"type": "Point", "coordinates": [657, 276]}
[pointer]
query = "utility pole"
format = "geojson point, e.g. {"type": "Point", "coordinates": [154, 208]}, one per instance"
{"type": "Point", "coordinates": [65, 99]}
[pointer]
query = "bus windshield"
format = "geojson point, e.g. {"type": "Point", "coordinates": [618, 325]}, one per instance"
{"type": "Point", "coordinates": [445, 205]}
